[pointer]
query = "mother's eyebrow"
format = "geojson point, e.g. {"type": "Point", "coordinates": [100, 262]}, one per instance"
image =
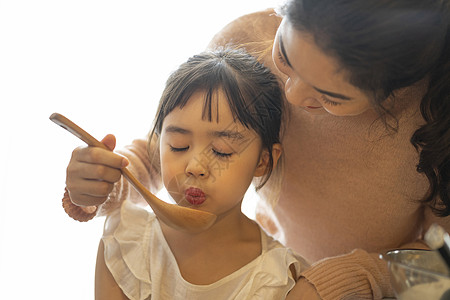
{"type": "Point", "coordinates": [334, 95]}
{"type": "Point", "coordinates": [283, 51]}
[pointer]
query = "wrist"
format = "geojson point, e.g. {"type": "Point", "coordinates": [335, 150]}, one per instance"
{"type": "Point", "coordinates": [82, 214]}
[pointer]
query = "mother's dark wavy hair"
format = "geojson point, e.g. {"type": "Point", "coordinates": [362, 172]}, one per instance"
{"type": "Point", "coordinates": [386, 45]}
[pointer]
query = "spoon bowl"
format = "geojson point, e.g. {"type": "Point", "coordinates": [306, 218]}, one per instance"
{"type": "Point", "coordinates": [175, 216]}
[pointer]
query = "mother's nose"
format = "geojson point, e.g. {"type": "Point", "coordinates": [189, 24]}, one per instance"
{"type": "Point", "coordinates": [301, 94]}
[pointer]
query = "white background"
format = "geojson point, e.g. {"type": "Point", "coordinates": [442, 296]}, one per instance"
{"type": "Point", "coordinates": [102, 64]}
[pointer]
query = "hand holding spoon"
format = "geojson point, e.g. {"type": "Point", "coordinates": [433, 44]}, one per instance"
{"type": "Point", "coordinates": [175, 216]}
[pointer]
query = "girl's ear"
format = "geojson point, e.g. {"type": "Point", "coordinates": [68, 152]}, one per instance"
{"type": "Point", "coordinates": [262, 169]}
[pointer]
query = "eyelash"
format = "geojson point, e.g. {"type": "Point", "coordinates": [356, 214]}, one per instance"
{"type": "Point", "coordinates": [324, 98]}
{"type": "Point", "coordinates": [216, 153]}
{"type": "Point", "coordinates": [174, 149]}
{"type": "Point", "coordinates": [328, 101]}
{"type": "Point", "coordinates": [281, 58]}
{"type": "Point", "coordinates": [221, 154]}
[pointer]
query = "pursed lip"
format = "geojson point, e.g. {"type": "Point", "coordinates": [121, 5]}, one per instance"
{"type": "Point", "coordinates": [194, 196]}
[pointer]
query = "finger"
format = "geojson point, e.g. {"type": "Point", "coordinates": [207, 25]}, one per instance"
{"type": "Point", "coordinates": [96, 155]}
{"type": "Point", "coordinates": [87, 171]}
{"type": "Point", "coordinates": [84, 200]}
{"type": "Point", "coordinates": [109, 141]}
{"type": "Point", "coordinates": [95, 188]}
{"type": "Point", "coordinates": [100, 172]}
{"type": "Point", "coordinates": [89, 188]}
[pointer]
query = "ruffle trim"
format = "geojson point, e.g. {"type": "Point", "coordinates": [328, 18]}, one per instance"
{"type": "Point", "coordinates": [127, 233]}
{"type": "Point", "coordinates": [126, 236]}
{"type": "Point", "coordinates": [277, 261]}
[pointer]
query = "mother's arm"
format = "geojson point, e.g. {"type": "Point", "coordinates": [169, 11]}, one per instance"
{"type": "Point", "coordinates": [359, 274]}
{"type": "Point", "coordinates": [255, 33]}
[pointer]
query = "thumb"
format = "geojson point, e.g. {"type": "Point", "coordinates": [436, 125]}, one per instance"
{"type": "Point", "coordinates": [109, 141]}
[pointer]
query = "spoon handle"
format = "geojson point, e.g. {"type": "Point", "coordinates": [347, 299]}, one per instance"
{"type": "Point", "coordinates": [91, 141]}
{"type": "Point", "coordinates": [76, 130]}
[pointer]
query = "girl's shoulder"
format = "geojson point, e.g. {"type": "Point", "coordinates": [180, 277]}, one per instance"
{"type": "Point", "coordinates": [277, 270]}
{"type": "Point", "coordinates": [275, 252]}
{"type": "Point", "coordinates": [126, 237]}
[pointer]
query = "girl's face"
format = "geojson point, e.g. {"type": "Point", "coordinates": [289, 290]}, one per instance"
{"type": "Point", "coordinates": [209, 165]}
{"type": "Point", "coordinates": [314, 81]}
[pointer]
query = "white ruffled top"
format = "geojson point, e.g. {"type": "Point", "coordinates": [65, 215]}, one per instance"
{"type": "Point", "coordinates": [141, 262]}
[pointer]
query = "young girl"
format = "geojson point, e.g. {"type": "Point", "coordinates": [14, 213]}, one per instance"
{"type": "Point", "coordinates": [218, 126]}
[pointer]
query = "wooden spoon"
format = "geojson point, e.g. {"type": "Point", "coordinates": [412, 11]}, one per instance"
{"type": "Point", "coordinates": [175, 216]}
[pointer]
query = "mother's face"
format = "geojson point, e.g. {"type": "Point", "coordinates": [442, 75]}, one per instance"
{"type": "Point", "coordinates": [315, 81]}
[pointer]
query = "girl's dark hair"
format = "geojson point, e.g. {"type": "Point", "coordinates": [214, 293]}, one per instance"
{"type": "Point", "coordinates": [253, 93]}
{"type": "Point", "coordinates": [386, 45]}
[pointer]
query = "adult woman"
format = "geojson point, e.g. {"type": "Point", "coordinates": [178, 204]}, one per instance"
{"type": "Point", "coordinates": [364, 78]}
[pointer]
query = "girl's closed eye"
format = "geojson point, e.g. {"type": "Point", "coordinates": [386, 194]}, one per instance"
{"type": "Point", "coordinates": [221, 154]}
{"type": "Point", "coordinates": [217, 153]}
{"type": "Point", "coordinates": [178, 149]}
{"type": "Point", "coordinates": [328, 101]}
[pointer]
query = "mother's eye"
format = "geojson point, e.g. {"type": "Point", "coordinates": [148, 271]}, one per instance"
{"type": "Point", "coordinates": [328, 101]}
{"type": "Point", "coordinates": [281, 59]}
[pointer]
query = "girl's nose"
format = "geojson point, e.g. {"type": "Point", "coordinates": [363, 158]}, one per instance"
{"type": "Point", "coordinates": [197, 166]}
{"type": "Point", "coordinates": [301, 94]}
